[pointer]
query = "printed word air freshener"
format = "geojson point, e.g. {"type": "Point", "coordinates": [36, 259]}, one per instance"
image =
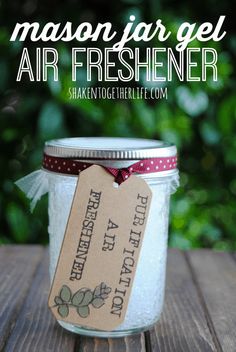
{"type": "Point", "coordinates": [99, 254]}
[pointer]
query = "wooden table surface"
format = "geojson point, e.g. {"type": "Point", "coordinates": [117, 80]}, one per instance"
{"type": "Point", "coordinates": [199, 312]}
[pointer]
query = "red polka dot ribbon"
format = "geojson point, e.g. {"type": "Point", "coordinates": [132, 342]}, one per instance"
{"type": "Point", "coordinates": [145, 166]}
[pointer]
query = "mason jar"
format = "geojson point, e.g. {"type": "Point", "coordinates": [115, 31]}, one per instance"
{"type": "Point", "coordinates": [58, 176]}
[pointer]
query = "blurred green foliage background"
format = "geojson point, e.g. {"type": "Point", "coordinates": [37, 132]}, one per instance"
{"type": "Point", "coordinates": [199, 117]}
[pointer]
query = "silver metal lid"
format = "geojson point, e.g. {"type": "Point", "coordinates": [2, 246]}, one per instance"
{"type": "Point", "coordinates": [109, 148]}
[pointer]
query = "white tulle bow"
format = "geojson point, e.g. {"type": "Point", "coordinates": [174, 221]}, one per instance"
{"type": "Point", "coordinates": [34, 185]}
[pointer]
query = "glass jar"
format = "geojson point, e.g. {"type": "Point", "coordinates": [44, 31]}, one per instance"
{"type": "Point", "coordinates": [149, 280]}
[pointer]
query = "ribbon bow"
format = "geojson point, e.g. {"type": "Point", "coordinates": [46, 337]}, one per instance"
{"type": "Point", "coordinates": [120, 174]}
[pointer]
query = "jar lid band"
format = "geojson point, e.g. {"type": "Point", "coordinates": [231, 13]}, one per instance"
{"type": "Point", "coordinates": [71, 166]}
{"type": "Point", "coordinates": [109, 148]}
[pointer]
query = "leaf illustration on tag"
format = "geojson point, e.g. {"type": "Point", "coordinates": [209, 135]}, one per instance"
{"type": "Point", "coordinates": [65, 293]}
{"type": "Point", "coordinates": [83, 311]}
{"type": "Point", "coordinates": [97, 302]}
{"type": "Point", "coordinates": [63, 310]}
{"type": "Point", "coordinates": [78, 298]}
{"type": "Point", "coordinates": [81, 299]}
{"type": "Point", "coordinates": [88, 296]}
{"type": "Point", "coordinates": [58, 300]}
{"type": "Point", "coordinates": [102, 291]}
